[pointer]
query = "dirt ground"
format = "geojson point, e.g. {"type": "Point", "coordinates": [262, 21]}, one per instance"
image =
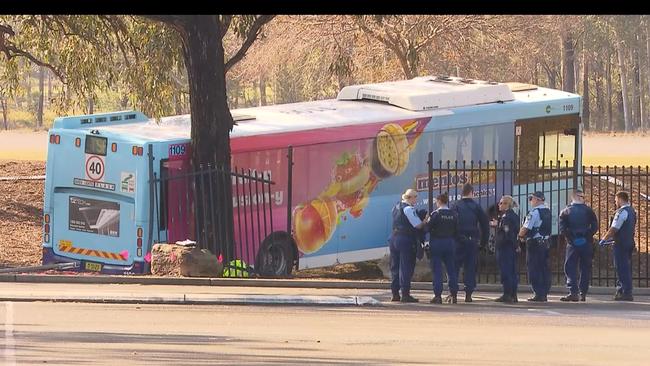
{"type": "Point", "coordinates": [21, 211]}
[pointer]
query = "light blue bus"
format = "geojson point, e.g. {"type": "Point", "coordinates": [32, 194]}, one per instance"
{"type": "Point", "coordinates": [352, 157]}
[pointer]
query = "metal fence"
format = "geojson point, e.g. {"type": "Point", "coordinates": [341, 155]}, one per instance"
{"type": "Point", "coordinates": [188, 203]}
{"type": "Point", "coordinates": [493, 179]}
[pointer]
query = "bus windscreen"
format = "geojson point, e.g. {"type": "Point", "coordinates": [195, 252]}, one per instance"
{"type": "Point", "coordinates": [96, 145]}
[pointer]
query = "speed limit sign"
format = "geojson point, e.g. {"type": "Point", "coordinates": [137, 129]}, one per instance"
{"type": "Point", "coordinates": [95, 167]}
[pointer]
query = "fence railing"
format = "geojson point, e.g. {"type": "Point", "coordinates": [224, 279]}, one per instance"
{"type": "Point", "coordinates": [556, 179]}
{"type": "Point", "coordinates": [225, 211]}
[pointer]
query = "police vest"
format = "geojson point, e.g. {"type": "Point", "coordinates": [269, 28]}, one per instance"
{"type": "Point", "coordinates": [401, 223]}
{"type": "Point", "coordinates": [545, 228]}
{"type": "Point", "coordinates": [468, 216]}
{"type": "Point", "coordinates": [625, 235]}
{"type": "Point", "coordinates": [508, 228]}
{"type": "Point", "coordinates": [579, 221]}
{"type": "Point", "coordinates": [443, 224]}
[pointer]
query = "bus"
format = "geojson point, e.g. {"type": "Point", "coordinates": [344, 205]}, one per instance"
{"type": "Point", "coordinates": [350, 158]}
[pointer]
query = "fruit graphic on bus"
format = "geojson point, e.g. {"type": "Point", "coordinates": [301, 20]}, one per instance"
{"type": "Point", "coordinates": [314, 224]}
{"type": "Point", "coordinates": [351, 174]}
{"type": "Point", "coordinates": [390, 151]}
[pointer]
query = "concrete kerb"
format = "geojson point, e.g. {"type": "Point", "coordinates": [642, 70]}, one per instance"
{"type": "Point", "coordinates": [253, 282]}
{"type": "Point", "coordinates": [202, 299]}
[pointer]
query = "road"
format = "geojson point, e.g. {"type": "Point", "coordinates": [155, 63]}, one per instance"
{"type": "Point", "coordinates": [599, 332]}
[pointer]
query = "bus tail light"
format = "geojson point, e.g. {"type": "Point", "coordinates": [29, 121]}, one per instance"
{"type": "Point", "coordinates": [46, 238]}
{"type": "Point", "coordinates": [139, 243]}
{"type": "Point", "coordinates": [139, 232]}
{"type": "Point", "coordinates": [77, 142]}
{"type": "Point", "coordinates": [46, 218]}
{"type": "Point", "coordinates": [55, 139]}
{"type": "Point", "coordinates": [134, 150]}
{"type": "Point", "coordinates": [46, 228]}
{"type": "Point", "coordinates": [140, 150]}
{"type": "Point", "coordinates": [114, 147]}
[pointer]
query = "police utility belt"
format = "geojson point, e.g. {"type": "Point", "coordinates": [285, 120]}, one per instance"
{"type": "Point", "coordinates": [542, 241]}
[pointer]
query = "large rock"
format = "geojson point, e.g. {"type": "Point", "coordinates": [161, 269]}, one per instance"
{"type": "Point", "coordinates": [422, 271]}
{"type": "Point", "coordinates": [178, 260]}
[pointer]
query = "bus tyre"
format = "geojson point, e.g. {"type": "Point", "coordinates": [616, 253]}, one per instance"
{"type": "Point", "coordinates": [277, 255]}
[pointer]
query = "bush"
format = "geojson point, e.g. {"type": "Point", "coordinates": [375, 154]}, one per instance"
{"type": "Point", "coordinates": [21, 119]}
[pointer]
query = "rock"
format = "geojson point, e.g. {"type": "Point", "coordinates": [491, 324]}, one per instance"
{"type": "Point", "coordinates": [422, 271]}
{"type": "Point", "coordinates": [178, 260]}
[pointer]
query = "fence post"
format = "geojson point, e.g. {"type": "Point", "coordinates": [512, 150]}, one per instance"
{"type": "Point", "coordinates": [430, 180]}
{"type": "Point", "coordinates": [152, 196]}
{"type": "Point", "coordinates": [289, 185]}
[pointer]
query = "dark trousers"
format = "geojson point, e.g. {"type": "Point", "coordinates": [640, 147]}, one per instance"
{"type": "Point", "coordinates": [539, 271]}
{"type": "Point", "coordinates": [402, 263]}
{"type": "Point", "coordinates": [466, 256]}
{"type": "Point", "coordinates": [507, 260]}
{"type": "Point", "coordinates": [442, 251]}
{"type": "Point", "coordinates": [578, 259]}
{"type": "Point", "coordinates": [623, 264]}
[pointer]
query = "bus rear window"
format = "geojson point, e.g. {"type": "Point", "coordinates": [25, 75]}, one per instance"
{"type": "Point", "coordinates": [96, 145]}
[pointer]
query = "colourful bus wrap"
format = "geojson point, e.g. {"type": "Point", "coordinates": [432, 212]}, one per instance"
{"type": "Point", "coordinates": [352, 158]}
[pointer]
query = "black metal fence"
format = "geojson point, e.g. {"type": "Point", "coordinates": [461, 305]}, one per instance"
{"type": "Point", "coordinates": [494, 179]}
{"type": "Point", "coordinates": [225, 211]}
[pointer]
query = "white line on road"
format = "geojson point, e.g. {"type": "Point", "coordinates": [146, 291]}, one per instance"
{"type": "Point", "coordinates": [10, 342]}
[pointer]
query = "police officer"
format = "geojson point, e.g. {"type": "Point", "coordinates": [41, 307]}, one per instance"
{"type": "Point", "coordinates": [536, 232]}
{"type": "Point", "coordinates": [472, 221]}
{"type": "Point", "coordinates": [578, 224]}
{"type": "Point", "coordinates": [406, 225]}
{"type": "Point", "coordinates": [507, 247]}
{"type": "Point", "coordinates": [622, 231]}
{"type": "Point", "coordinates": [443, 231]}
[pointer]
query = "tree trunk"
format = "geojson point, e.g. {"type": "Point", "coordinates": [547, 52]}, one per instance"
{"type": "Point", "coordinates": [568, 63]}
{"type": "Point", "coordinates": [91, 106]}
{"type": "Point", "coordinates": [29, 88]}
{"type": "Point", "coordinates": [41, 96]}
{"type": "Point", "coordinates": [647, 74]}
{"type": "Point", "coordinates": [262, 90]}
{"type": "Point", "coordinates": [608, 81]}
{"type": "Point", "coordinates": [211, 119]}
{"type": "Point", "coordinates": [585, 92]}
{"type": "Point", "coordinates": [3, 101]}
{"type": "Point", "coordinates": [636, 91]}
{"type": "Point", "coordinates": [599, 121]}
{"type": "Point", "coordinates": [49, 87]}
{"type": "Point", "coordinates": [626, 103]}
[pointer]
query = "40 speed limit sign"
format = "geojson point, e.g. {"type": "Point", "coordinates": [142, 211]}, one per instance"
{"type": "Point", "coordinates": [95, 167]}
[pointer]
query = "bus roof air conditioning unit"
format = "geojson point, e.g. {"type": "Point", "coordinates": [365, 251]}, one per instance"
{"type": "Point", "coordinates": [430, 92]}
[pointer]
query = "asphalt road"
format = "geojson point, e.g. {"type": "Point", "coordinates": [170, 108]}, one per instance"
{"type": "Point", "coordinates": [481, 333]}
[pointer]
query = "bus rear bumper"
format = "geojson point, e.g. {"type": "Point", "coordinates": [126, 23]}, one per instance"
{"type": "Point", "coordinates": [49, 257]}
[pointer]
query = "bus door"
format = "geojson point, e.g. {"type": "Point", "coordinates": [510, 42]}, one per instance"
{"type": "Point", "coordinates": [177, 202]}
{"type": "Point", "coordinates": [541, 143]}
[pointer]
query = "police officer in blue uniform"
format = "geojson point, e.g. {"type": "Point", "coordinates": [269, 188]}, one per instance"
{"type": "Point", "coordinates": [536, 232]}
{"type": "Point", "coordinates": [507, 248]}
{"type": "Point", "coordinates": [578, 224]}
{"type": "Point", "coordinates": [622, 231]}
{"type": "Point", "coordinates": [403, 241]}
{"type": "Point", "coordinates": [473, 224]}
{"type": "Point", "coordinates": [443, 229]}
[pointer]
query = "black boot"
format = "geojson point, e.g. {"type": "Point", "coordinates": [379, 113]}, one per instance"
{"type": "Point", "coordinates": [583, 296]}
{"type": "Point", "coordinates": [514, 298]}
{"type": "Point", "coordinates": [395, 297]}
{"type": "Point", "coordinates": [570, 297]}
{"type": "Point", "coordinates": [624, 297]}
{"type": "Point", "coordinates": [408, 298]}
{"type": "Point", "coordinates": [436, 300]}
{"type": "Point", "coordinates": [468, 297]}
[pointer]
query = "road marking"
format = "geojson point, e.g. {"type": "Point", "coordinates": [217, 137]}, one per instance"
{"type": "Point", "coordinates": [10, 342]}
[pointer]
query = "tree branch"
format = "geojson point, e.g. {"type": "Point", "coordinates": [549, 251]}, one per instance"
{"type": "Point", "coordinates": [251, 36]}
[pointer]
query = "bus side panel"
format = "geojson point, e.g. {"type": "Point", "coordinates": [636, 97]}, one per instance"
{"type": "Point", "coordinates": [258, 209]}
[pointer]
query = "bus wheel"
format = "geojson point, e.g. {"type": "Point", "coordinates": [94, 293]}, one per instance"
{"type": "Point", "coordinates": [276, 256]}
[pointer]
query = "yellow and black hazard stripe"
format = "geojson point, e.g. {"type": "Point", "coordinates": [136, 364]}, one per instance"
{"type": "Point", "coordinates": [66, 246]}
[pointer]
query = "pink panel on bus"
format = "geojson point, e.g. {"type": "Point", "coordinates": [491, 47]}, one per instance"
{"type": "Point", "coordinates": [180, 213]}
